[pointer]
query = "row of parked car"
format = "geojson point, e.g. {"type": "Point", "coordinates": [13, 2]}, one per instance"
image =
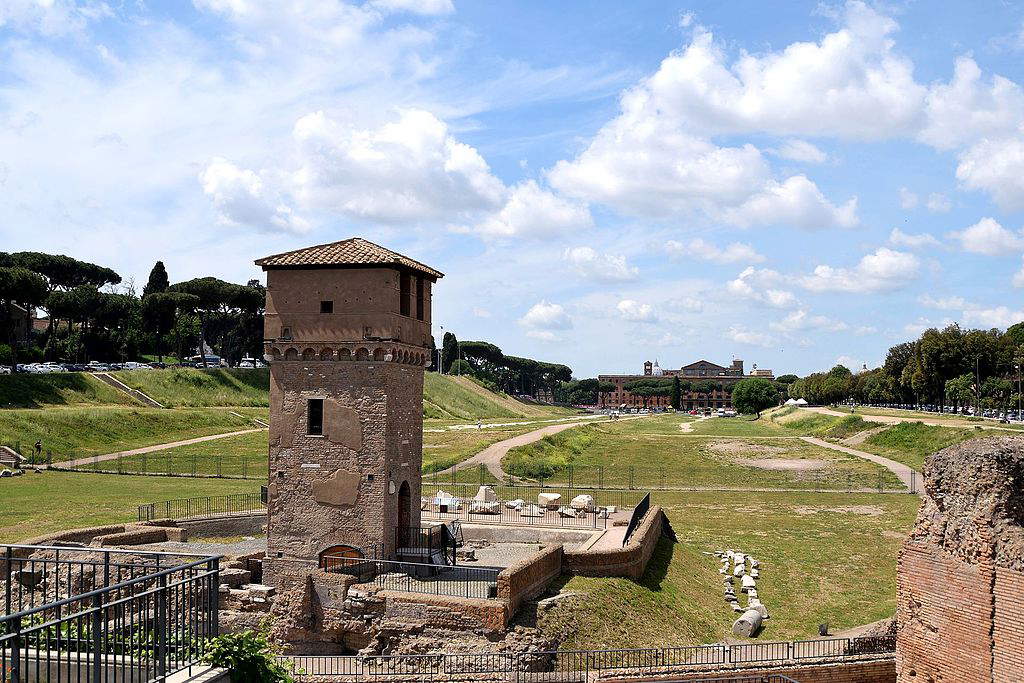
{"type": "Point", "coordinates": [96, 366]}
{"type": "Point", "coordinates": [966, 411]}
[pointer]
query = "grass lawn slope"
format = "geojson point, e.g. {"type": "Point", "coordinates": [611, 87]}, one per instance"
{"type": "Point", "coordinates": [75, 432]}
{"type": "Point", "coordinates": [447, 397]}
{"type": "Point", "coordinates": [824, 558]}
{"type": "Point", "coordinates": [911, 442]}
{"type": "Point", "coordinates": [57, 389]}
{"type": "Point", "coordinates": [36, 504]}
{"type": "Point", "coordinates": [193, 387]}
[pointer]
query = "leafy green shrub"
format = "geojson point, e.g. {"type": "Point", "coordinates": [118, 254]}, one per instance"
{"type": "Point", "coordinates": [249, 657]}
{"type": "Point", "coordinates": [845, 427]}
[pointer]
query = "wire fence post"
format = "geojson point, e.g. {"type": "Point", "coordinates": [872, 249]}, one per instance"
{"type": "Point", "coordinates": [97, 638]}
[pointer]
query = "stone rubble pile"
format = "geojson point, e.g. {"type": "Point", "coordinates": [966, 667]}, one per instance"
{"type": "Point", "coordinates": [737, 567]}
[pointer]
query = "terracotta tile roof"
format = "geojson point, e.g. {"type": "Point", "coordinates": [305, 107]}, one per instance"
{"type": "Point", "coordinates": [351, 252]}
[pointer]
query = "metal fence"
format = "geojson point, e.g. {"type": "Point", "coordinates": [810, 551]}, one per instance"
{"type": "Point", "coordinates": [417, 577]}
{"type": "Point", "coordinates": [167, 463]}
{"type": "Point", "coordinates": [84, 614]}
{"type": "Point", "coordinates": [202, 507]}
{"type": "Point", "coordinates": [632, 478]}
{"type": "Point", "coordinates": [579, 665]}
{"type": "Point", "coordinates": [639, 512]}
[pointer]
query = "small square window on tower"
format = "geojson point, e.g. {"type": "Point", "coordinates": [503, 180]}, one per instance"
{"type": "Point", "coordinates": [327, 307]}
{"type": "Point", "coordinates": [315, 417]}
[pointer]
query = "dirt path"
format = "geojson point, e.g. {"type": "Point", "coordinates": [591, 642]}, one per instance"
{"type": "Point", "coordinates": [908, 476]}
{"type": "Point", "coordinates": [860, 437]}
{"type": "Point", "coordinates": [895, 419]}
{"type": "Point", "coordinates": [150, 449]}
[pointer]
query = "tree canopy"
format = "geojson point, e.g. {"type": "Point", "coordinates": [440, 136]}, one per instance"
{"type": "Point", "coordinates": [754, 394]}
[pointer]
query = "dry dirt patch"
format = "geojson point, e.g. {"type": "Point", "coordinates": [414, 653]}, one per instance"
{"type": "Point", "coordinates": [737, 447]}
{"type": "Point", "coordinates": [869, 510]}
{"type": "Point", "coordinates": [783, 464]}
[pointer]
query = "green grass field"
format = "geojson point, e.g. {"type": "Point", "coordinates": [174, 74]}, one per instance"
{"type": "Point", "coordinates": [76, 432]}
{"type": "Point", "coordinates": [824, 558]}
{"type": "Point", "coordinates": [647, 453]}
{"type": "Point", "coordinates": [911, 442]}
{"type": "Point", "coordinates": [36, 504]}
{"type": "Point", "coordinates": [191, 387]}
{"type": "Point", "coordinates": [243, 455]}
{"type": "Point", "coordinates": [58, 389]}
{"type": "Point", "coordinates": [448, 398]}
{"type": "Point", "coordinates": [914, 415]}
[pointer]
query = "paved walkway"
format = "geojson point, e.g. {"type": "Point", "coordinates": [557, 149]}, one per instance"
{"type": "Point", "coordinates": [151, 449]}
{"type": "Point", "coordinates": [907, 475]}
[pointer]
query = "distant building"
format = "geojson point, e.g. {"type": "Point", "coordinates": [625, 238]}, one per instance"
{"type": "Point", "coordinates": [722, 377]}
{"type": "Point", "coordinates": [19, 321]}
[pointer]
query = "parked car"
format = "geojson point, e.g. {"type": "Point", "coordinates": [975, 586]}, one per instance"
{"type": "Point", "coordinates": [5, 369]}
{"type": "Point", "coordinates": [135, 365]}
{"type": "Point", "coordinates": [96, 366]}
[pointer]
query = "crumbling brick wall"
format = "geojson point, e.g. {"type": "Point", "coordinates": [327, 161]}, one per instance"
{"type": "Point", "coordinates": [529, 577]}
{"type": "Point", "coordinates": [961, 571]}
{"type": "Point", "coordinates": [629, 561]}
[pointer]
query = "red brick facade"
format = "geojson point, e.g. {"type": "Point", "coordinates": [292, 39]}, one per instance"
{"type": "Point", "coordinates": [720, 397]}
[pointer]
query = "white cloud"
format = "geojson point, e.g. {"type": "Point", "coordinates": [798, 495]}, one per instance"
{"type": "Point", "coordinates": [865, 330]}
{"type": "Point", "coordinates": [990, 238]}
{"type": "Point", "coordinates": [407, 170]}
{"type": "Point", "coordinates": [685, 304]}
{"type": "Point", "coordinates": [666, 339]}
{"type": "Point", "coordinates": [481, 312]}
{"type": "Point", "coordinates": [1000, 316]}
{"type": "Point", "coordinates": [51, 17]}
{"type": "Point", "coordinates": [944, 303]}
{"type": "Point", "coordinates": [742, 335]}
{"type": "Point", "coordinates": [880, 271]}
{"type": "Point", "coordinates": [735, 252]}
{"type": "Point", "coordinates": [761, 285]}
{"type": "Point", "coordinates": [995, 166]}
{"type": "Point", "coordinates": [908, 199]}
{"type": "Point", "coordinates": [802, 320]}
{"type": "Point", "coordinates": [797, 201]}
{"type": "Point", "coordinates": [801, 150]}
{"type": "Point", "coordinates": [589, 263]}
{"type": "Point", "coordinates": [938, 203]}
{"type": "Point", "coordinates": [544, 335]}
{"type": "Point", "coordinates": [898, 238]}
{"type": "Point", "coordinates": [534, 211]}
{"type": "Point", "coordinates": [429, 7]}
{"type": "Point", "coordinates": [243, 199]}
{"type": "Point", "coordinates": [546, 316]}
{"type": "Point", "coordinates": [1018, 277]}
{"type": "Point", "coordinates": [635, 311]}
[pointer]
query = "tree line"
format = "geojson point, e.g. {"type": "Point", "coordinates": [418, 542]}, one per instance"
{"type": "Point", "coordinates": [947, 367]}
{"type": "Point", "coordinates": [511, 374]}
{"type": "Point", "coordinates": [94, 315]}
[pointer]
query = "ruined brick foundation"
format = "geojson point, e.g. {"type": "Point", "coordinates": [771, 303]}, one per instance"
{"type": "Point", "coordinates": [961, 572]}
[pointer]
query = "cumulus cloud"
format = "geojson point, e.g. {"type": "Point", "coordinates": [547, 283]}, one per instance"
{"type": "Point", "coordinates": [532, 211]}
{"type": "Point", "coordinates": [635, 311]}
{"type": "Point", "coordinates": [51, 17]}
{"type": "Point", "coordinates": [803, 320]}
{"type": "Point", "coordinates": [409, 169]}
{"type": "Point", "coordinates": [1018, 277]}
{"type": "Point", "coordinates": [988, 237]}
{"type": "Point", "coordinates": [428, 7]}
{"type": "Point", "coordinates": [547, 316]}
{"type": "Point", "coordinates": [898, 238]}
{"type": "Point", "coordinates": [589, 263]}
{"type": "Point", "coordinates": [761, 285]}
{"type": "Point", "coordinates": [734, 252]}
{"type": "Point", "coordinates": [1000, 316]}
{"type": "Point", "coordinates": [243, 199]}
{"type": "Point", "coordinates": [795, 149]}
{"type": "Point", "coordinates": [880, 271]}
{"type": "Point", "coordinates": [742, 335]}
{"type": "Point", "coordinates": [996, 167]}
{"type": "Point", "coordinates": [908, 199]}
{"type": "Point", "coordinates": [938, 203]}
{"type": "Point", "coordinates": [944, 303]}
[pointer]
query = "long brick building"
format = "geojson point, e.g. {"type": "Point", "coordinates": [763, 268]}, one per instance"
{"type": "Point", "coordinates": [691, 376]}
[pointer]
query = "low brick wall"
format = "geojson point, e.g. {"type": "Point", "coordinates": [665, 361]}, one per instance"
{"type": "Point", "coordinates": [443, 611]}
{"type": "Point", "coordinates": [141, 534]}
{"type": "Point", "coordinates": [530, 577]}
{"type": "Point", "coordinates": [876, 670]}
{"type": "Point", "coordinates": [629, 561]}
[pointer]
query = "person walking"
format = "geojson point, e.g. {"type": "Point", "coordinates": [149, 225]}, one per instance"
{"type": "Point", "coordinates": [38, 452]}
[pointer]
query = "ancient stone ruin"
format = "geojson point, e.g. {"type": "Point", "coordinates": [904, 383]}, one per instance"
{"type": "Point", "coordinates": [961, 571]}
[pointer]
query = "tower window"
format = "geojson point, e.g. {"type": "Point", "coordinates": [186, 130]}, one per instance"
{"type": "Point", "coordinates": [327, 307]}
{"type": "Point", "coordinates": [315, 417]}
{"type": "Point", "coordinates": [419, 298]}
{"type": "Point", "coordinates": [405, 290]}
{"type": "Point", "coordinates": [286, 333]}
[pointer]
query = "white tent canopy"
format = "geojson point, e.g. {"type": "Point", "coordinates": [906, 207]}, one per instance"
{"type": "Point", "coordinates": [791, 402]}
{"type": "Point", "coordinates": [801, 402]}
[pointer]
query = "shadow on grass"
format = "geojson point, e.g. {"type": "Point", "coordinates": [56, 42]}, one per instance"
{"type": "Point", "coordinates": [36, 391]}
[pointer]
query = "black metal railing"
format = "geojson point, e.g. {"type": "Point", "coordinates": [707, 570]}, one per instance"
{"type": "Point", "coordinates": [202, 507]}
{"type": "Point", "coordinates": [639, 512]}
{"type": "Point", "coordinates": [89, 614]}
{"type": "Point", "coordinates": [417, 577]}
{"type": "Point", "coordinates": [578, 665]}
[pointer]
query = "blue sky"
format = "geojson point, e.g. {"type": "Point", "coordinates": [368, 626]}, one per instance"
{"type": "Point", "coordinates": [795, 184]}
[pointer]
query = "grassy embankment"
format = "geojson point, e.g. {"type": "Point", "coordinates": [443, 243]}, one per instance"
{"type": "Point", "coordinates": [823, 559]}
{"type": "Point", "coordinates": [669, 451]}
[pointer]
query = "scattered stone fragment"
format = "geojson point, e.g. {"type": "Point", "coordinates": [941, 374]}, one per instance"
{"type": "Point", "coordinates": [748, 625]}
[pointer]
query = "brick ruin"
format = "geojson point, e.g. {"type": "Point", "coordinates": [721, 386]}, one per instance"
{"type": "Point", "coordinates": [961, 571]}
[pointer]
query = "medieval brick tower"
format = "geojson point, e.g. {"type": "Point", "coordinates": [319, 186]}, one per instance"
{"type": "Point", "coordinates": [347, 336]}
